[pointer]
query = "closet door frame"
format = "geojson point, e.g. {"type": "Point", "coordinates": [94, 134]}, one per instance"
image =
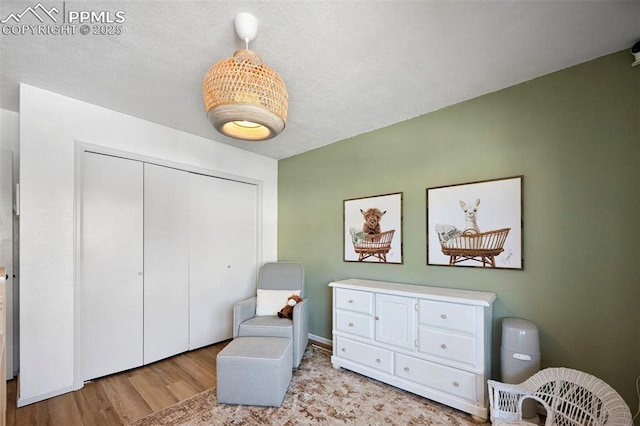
{"type": "Point", "coordinates": [80, 149]}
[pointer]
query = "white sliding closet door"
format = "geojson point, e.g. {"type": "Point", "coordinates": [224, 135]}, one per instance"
{"type": "Point", "coordinates": [223, 254]}
{"type": "Point", "coordinates": [166, 262]}
{"type": "Point", "coordinates": [112, 264]}
{"type": "Point", "coordinates": [6, 252]}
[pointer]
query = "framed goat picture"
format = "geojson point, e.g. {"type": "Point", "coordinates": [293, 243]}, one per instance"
{"type": "Point", "coordinates": [372, 229]}
{"type": "Point", "coordinates": [476, 224]}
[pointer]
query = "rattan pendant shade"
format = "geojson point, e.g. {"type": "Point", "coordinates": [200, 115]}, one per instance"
{"type": "Point", "coordinates": [244, 98]}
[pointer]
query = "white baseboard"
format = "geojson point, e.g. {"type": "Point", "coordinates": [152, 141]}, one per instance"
{"type": "Point", "coordinates": [319, 339]}
{"type": "Point", "coordinates": [37, 398]}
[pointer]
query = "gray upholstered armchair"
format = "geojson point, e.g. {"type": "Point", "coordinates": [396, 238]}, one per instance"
{"type": "Point", "coordinates": [275, 277]}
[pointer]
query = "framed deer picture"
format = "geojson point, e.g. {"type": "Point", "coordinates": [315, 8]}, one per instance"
{"type": "Point", "coordinates": [372, 229]}
{"type": "Point", "coordinates": [476, 224]}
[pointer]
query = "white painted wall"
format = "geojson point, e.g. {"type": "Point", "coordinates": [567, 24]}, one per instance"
{"type": "Point", "coordinates": [50, 124]}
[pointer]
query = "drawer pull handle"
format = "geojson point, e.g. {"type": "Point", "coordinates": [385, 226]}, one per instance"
{"type": "Point", "coordinates": [350, 324]}
{"type": "Point", "coordinates": [406, 369]}
{"type": "Point", "coordinates": [377, 318]}
{"type": "Point", "coordinates": [344, 349]}
{"type": "Point", "coordinates": [443, 316]}
{"type": "Point", "coordinates": [443, 346]}
{"type": "Point", "coordinates": [456, 384]}
{"type": "Point", "coordinates": [378, 361]}
{"type": "Point", "coordinates": [350, 300]}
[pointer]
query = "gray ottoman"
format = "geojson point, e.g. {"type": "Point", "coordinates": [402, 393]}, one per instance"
{"type": "Point", "coordinates": [254, 371]}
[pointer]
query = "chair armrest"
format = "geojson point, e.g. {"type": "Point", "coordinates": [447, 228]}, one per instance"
{"type": "Point", "coordinates": [505, 400]}
{"type": "Point", "coordinates": [301, 316]}
{"type": "Point", "coordinates": [300, 330]}
{"type": "Point", "coordinates": [242, 311]}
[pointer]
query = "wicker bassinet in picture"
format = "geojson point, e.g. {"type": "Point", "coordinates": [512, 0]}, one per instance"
{"type": "Point", "coordinates": [482, 247]}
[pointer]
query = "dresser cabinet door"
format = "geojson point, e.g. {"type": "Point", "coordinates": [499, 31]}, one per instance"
{"type": "Point", "coordinates": [394, 320]}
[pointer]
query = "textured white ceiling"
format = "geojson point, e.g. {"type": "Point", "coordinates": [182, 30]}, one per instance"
{"type": "Point", "coordinates": [350, 66]}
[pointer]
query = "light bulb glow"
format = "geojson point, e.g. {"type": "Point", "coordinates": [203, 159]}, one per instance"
{"type": "Point", "coordinates": [246, 130]}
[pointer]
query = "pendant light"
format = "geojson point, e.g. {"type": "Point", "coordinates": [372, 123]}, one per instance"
{"type": "Point", "coordinates": [244, 98]}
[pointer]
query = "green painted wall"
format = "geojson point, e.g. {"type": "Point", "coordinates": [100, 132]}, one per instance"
{"type": "Point", "coordinates": [575, 136]}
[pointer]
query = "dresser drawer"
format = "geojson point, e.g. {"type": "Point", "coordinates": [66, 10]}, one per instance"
{"type": "Point", "coordinates": [354, 300]}
{"type": "Point", "coordinates": [450, 380]}
{"type": "Point", "coordinates": [371, 356]}
{"type": "Point", "coordinates": [448, 315]}
{"type": "Point", "coordinates": [354, 323]}
{"type": "Point", "coordinates": [452, 346]}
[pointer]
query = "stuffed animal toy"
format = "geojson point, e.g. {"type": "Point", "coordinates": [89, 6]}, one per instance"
{"type": "Point", "coordinates": [287, 311]}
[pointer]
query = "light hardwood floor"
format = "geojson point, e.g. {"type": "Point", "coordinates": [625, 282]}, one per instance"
{"type": "Point", "coordinates": [123, 397]}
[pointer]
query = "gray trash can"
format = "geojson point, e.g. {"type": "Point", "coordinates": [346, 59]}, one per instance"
{"type": "Point", "coordinates": [520, 356]}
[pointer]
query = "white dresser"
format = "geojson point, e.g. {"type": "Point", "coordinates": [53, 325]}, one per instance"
{"type": "Point", "coordinates": [434, 342]}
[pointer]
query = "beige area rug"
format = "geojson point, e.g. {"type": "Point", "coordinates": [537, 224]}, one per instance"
{"type": "Point", "coordinates": [318, 394]}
